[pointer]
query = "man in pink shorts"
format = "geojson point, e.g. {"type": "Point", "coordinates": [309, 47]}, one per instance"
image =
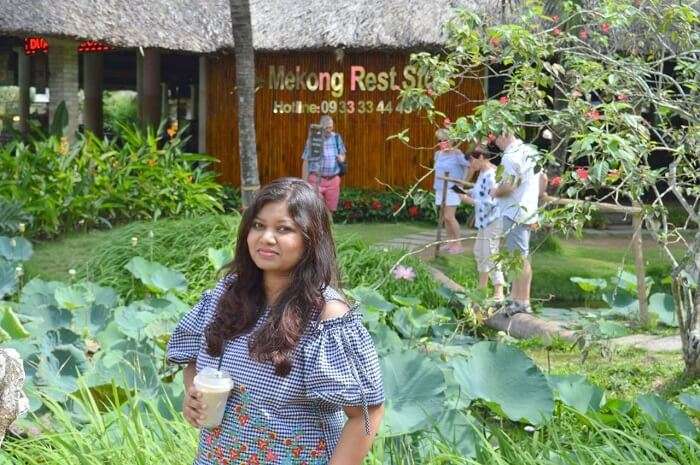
{"type": "Point", "coordinates": [323, 173]}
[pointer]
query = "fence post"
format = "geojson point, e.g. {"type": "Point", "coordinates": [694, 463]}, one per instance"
{"type": "Point", "coordinates": [441, 214]}
{"type": "Point", "coordinates": [637, 246]}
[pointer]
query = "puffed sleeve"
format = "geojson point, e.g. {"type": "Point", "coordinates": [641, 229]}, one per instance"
{"type": "Point", "coordinates": [186, 339]}
{"type": "Point", "coordinates": [341, 367]}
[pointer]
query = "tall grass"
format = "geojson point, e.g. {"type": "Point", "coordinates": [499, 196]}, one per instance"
{"type": "Point", "coordinates": [181, 244]}
{"type": "Point", "coordinates": [139, 433]}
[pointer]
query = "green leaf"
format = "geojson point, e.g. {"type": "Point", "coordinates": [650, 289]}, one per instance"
{"type": "Point", "coordinates": [503, 376]}
{"type": "Point", "coordinates": [589, 284]}
{"type": "Point", "coordinates": [60, 120]}
{"type": "Point", "coordinates": [662, 305]}
{"type": "Point", "coordinates": [15, 249]}
{"type": "Point", "coordinates": [692, 401]}
{"type": "Point", "coordinates": [8, 278]}
{"type": "Point", "coordinates": [133, 319]}
{"type": "Point", "coordinates": [666, 415]}
{"type": "Point", "coordinates": [386, 339]}
{"type": "Point", "coordinates": [219, 257]}
{"type": "Point", "coordinates": [576, 392]}
{"type": "Point", "coordinates": [12, 326]}
{"type": "Point", "coordinates": [414, 388]}
{"type": "Point", "coordinates": [38, 293]}
{"type": "Point", "coordinates": [73, 297]}
{"type": "Point", "coordinates": [462, 431]}
{"type": "Point", "coordinates": [156, 277]}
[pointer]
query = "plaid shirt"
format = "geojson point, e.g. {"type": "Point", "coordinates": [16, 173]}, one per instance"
{"type": "Point", "coordinates": [333, 146]}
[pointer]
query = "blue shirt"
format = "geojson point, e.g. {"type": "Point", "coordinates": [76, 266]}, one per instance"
{"type": "Point", "coordinates": [485, 206]}
{"type": "Point", "coordinates": [333, 146]}
{"type": "Point", "coordinates": [283, 420]}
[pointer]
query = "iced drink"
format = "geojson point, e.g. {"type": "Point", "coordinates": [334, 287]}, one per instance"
{"type": "Point", "coordinates": [215, 387]}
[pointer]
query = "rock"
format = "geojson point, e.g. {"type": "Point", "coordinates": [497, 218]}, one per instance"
{"type": "Point", "coordinates": [13, 402]}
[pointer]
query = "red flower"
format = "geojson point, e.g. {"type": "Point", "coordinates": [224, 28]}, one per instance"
{"type": "Point", "coordinates": [413, 211]}
{"type": "Point", "coordinates": [605, 28]}
{"type": "Point", "coordinates": [238, 408]}
{"type": "Point", "coordinates": [270, 456]}
{"type": "Point", "coordinates": [556, 31]}
{"type": "Point", "coordinates": [347, 204]}
{"type": "Point", "coordinates": [593, 114]}
{"type": "Point", "coordinates": [272, 435]}
{"type": "Point", "coordinates": [582, 174]}
{"type": "Point", "coordinates": [287, 442]}
{"type": "Point", "coordinates": [234, 454]}
{"type": "Point", "coordinates": [209, 439]}
{"type": "Point", "coordinates": [244, 448]}
{"type": "Point", "coordinates": [253, 460]}
{"type": "Point", "coordinates": [504, 100]}
{"type": "Point", "coordinates": [555, 181]}
{"type": "Point", "coordinates": [376, 205]}
{"type": "Point", "coordinates": [315, 453]}
{"type": "Point", "coordinates": [495, 41]}
{"type": "Point", "coordinates": [216, 432]}
{"type": "Point", "coordinates": [321, 444]}
{"type": "Point", "coordinates": [243, 419]}
{"type": "Point", "coordinates": [296, 452]}
{"type": "Point", "coordinates": [447, 122]}
{"type": "Point", "coordinates": [262, 444]}
{"type": "Point", "coordinates": [583, 34]}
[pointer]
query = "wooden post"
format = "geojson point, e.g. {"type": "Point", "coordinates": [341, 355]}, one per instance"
{"type": "Point", "coordinates": [202, 106]}
{"type": "Point", "coordinates": [441, 215]}
{"type": "Point", "coordinates": [23, 78]}
{"type": "Point", "coordinates": [151, 87]}
{"type": "Point", "coordinates": [92, 87]}
{"type": "Point", "coordinates": [637, 246]}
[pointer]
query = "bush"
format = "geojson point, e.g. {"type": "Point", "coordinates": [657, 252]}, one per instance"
{"type": "Point", "coordinates": [364, 205]}
{"type": "Point", "coordinates": [120, 108]}
{"type": "Point", "coordinates": [97, 182]}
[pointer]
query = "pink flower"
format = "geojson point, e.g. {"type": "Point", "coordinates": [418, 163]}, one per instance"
{"type": "Point", "coordinates": [404, 272]}
{"type": "Point", "coordinates": [413, 211]}
{"type": "Point", "coordinates": [270, 456]}
{"type": "Point", "coordinates": [555, 181]}
{"type": "Point", "coordinates": [582, 174]}
{"type": "Point", "coordinates": [556, 31]}
{"type": "Point", "coordinates": [605, 28]}
{"type": "Point", "coordinates": [583, 34]}
{"type": "Point", "coordinates": [447, 122]}
{"type": "Point", "coordinates": [593, 115]}
{"type": "Point", "coordinates": [623, 97]}
{"type": "Point", "coordinates": [504, 100]}
{"type": "Point", "coordinates": [376, 205]}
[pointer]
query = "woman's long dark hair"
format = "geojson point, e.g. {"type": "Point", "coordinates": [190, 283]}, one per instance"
{"type": "Point", "coordinates": [243, 303]}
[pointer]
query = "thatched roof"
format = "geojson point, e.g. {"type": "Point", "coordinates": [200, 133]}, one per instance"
{"type": "Point", "coordinates": [204, 25]}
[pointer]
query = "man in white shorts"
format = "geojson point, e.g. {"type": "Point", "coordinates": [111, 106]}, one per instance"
{"type": "Point", "coordinates": [518, 192]}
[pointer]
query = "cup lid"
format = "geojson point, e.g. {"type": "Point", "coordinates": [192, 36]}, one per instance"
{"type": "Point", "coordinates": [213, 378]}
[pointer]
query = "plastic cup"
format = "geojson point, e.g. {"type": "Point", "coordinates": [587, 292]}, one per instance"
{"type": "Point", "coordinates": [215, 387]}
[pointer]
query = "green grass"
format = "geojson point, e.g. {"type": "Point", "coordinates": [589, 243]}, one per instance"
{"type": "Point", "coordinates": [622, 372]}
{"type": "Point", "coordinates": [552, 270]}
{"type": "Point", "coordinates": [373, 233]}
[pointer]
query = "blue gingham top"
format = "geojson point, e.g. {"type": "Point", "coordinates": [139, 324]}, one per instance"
{"type": "Point", "coordinates": [290, 420]}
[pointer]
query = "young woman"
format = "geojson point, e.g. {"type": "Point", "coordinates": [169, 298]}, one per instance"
{"type": "Point", "coordinates": [452, 160]}
{"type": "Point", "coordinates": [299, 356]}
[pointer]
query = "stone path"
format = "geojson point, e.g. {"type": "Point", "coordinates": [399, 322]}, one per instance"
{"type": "Point", "coordinates": [647, 342]}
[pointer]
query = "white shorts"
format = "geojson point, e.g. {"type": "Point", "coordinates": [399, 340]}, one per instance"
{"type": "Point", "coordinates": [485, 247]}
{"type": "Point", "coordinates": [452, 199]}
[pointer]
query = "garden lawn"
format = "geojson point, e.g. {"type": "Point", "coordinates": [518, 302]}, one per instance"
{"type": "Point", "coordinates": [593, 257]}
{"type": "Point", "coordinates": [52, 259]}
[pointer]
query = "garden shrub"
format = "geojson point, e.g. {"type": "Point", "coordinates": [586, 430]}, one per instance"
{"type": "Point", "coordinates": [120, 107]}
{"type": "Point", "coordinates": [98, 182]}
{"type": "Point", "coordinates": [366, 205]}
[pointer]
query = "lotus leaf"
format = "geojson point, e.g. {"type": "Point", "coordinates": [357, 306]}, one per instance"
{"type": "Point", "coordinates": [11, 324]}
{"type": "Point", "coordinates": [460, 431]}
{"type": "Point", "coordinates": [692, 401]}
{"type": "Point", "coordinates": [414, 388]}
{"type": "Point", "coordinates": [15, 249]}
{"type": "Point", "coordinates": [666, 415]}
{"type": "Point", "coordinates": [156, 277]}
{"type": "Point", "coordinates": [662, 305]}
{"type": "Point", "coordinates": [507, 380]}
{"type": "Point", "coordinates": [219, 257]}
{"type": "Point", "coordinates": [576, 392]}
{"type": "Point", "coordinates": [589, 284]}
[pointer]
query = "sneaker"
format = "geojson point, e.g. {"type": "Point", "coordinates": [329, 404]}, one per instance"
{"type": "Point", "coordinates": [513, 308]}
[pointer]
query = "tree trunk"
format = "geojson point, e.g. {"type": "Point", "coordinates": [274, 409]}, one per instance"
{"type": "Point", "coordinates": [245, 89]}
{"type": "Point", "coordinates": [687, 304]}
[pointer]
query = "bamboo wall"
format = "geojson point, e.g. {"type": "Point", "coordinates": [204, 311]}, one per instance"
{"type": "Point", "coordinates": [281, 136]}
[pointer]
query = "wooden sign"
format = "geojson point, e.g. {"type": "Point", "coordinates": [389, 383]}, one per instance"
{"type": "Point", "coordinates": [315, 143]}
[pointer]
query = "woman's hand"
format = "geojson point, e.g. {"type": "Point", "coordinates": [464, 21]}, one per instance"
{"type": "Point", "coordinates": [193, 407]}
